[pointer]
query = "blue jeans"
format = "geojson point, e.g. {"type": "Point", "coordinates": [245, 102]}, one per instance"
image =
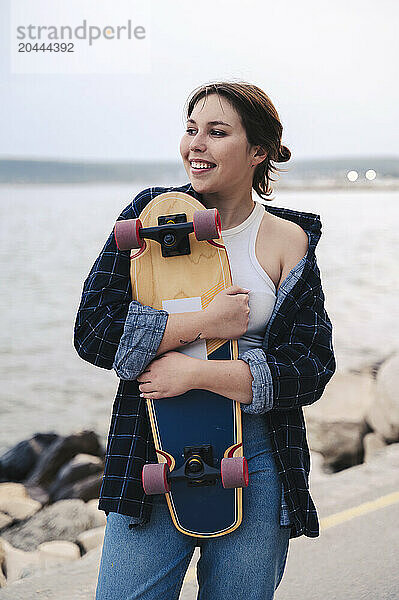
{"type": "Point", "coordinates": [149, 562]}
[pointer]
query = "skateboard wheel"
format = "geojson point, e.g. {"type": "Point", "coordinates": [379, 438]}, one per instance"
{"type": "Point", "coordinates": [234, 472]}
{"type": "Point", "coordinates": [154, 478]}
{"type": "Point", "coordinates": [207, 224]}
{"type": "Point", "coordinates": [127, 234]}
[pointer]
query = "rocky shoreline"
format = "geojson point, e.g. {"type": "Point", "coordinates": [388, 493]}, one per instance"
{"type": "Point", "coordinates": [49, 487]}
{"type": "Point", "coordinates": [357, 416]}
{"type": "Point", "coordinates": [49, 484]}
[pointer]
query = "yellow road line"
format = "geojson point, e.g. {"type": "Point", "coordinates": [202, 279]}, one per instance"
{"type": "Point", "coordinates": [336, 519]}
{"type": "Point", "coordinates": [356, 511]}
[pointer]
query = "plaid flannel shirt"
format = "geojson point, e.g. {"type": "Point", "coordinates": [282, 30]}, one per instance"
{"type": "Point", "coordinates": [289, 371]}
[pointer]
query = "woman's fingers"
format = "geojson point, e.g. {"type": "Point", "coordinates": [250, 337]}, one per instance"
{"type": "Point", "coordinates": [236, 289]}
{"type": "Point", "coordinates": [146, 386]}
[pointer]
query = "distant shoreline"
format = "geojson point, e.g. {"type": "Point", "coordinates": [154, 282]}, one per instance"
{"type": "Point", "coordinates": [349, 174]}
{"type": "Point", "coordinates": [320, 187]}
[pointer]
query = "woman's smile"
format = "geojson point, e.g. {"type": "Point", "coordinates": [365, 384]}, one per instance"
{"type": "Point", "coordinates": [200, 167]}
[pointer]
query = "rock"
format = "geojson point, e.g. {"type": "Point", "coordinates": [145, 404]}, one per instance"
{"type": "Point", "coordinates": [318, 470]}
{"type": "Point", "coordinates": [87, 489]}
{"type": "Point", "coordinates": [383, 414]}
{"type": "Point", "coordinates": [15, 504]}
{"type": "Point", "coordinates": [5, 520]}
{"type": "Point", "coordinates": [372, 367]}
{"type": "Point", "coordinates": [373, 444]}
{"type": "Point", "coordinates": [91, 538]}
{"type": "Point", "coordinates": [16, 463]}
{"type": "Point", "coordinates": [80, 467]}
{"type": "Point", "coordinates": [339, 443]}
{"type": "Point", "coordinates": [17, 563]}
{"type": "Point", "coordinates": [64, 520]}
{"type": "Point", "coordinates": [60, 452]}
{"type": "Point", "coordinates": [3, 580]}
{"type": "Point", "coordinates": [36, 492]}
{"type": "Point", "coordinates": [98, 515]}
{"type": "Point", "coordinates": [336, 423]}
{"type": "Point", "coordinates": [18, 491]}
{"type": "Point", "coordinates": [56, 553]}
{"type": "Point", "coordinates": [13, 490]}
{"type": "Point", "coordinates": [19, 509]}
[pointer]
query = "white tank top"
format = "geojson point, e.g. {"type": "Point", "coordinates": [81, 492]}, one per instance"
{"type": "Point", "coordinates": [248, 273]}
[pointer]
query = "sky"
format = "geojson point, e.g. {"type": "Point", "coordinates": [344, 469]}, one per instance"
{"type": "Point", "coordinates": [330, 69]}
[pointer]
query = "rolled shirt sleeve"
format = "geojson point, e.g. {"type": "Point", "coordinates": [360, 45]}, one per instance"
{"type": "Point", "coordinates": [262, 385]}
{"type": "Point", "coordinates": [295, 372]}
{"type": "Point", "coordinates": [141, 338]}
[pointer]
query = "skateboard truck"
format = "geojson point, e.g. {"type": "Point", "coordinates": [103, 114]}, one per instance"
{"type": "Point", "coordinates": [197, 470]}
{"type": "Point", "coordinates": [172, 232]}
{"type": "Point", "coordinates": [197, 467]}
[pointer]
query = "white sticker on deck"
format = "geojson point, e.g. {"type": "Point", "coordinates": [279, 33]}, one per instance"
{"type": "Point", "coordinates": [195, 349]}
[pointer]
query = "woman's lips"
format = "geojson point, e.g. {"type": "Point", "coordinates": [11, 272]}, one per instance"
{"type": "Point", "coordinates": [201, 171]}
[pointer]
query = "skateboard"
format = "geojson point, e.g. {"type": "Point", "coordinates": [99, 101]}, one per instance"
{"type": "Point", "coordinates": [178, 263]}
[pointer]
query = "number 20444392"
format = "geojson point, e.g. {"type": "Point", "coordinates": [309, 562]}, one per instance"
{"type": "Point", "coordinates": [52, 47]}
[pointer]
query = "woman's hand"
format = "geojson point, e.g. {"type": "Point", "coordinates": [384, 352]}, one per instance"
{"type": "Point", "coordinates": [228, 313]}
{"type": "Point", "coordinates": [167, 375]}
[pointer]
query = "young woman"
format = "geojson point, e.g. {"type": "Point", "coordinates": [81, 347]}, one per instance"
{"type": "Point", "coordinates": [275, 308]}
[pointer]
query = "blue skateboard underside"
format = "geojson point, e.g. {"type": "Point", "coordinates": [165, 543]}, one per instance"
{"type": "Point", "coordinates": [197, 418]}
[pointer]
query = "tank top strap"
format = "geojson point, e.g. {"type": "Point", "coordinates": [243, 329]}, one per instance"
{"type": "Point", "coordinates": [254, 216]}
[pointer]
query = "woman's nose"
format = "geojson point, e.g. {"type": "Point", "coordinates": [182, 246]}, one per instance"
{"type": "Point", "coordinates": [197, 143]}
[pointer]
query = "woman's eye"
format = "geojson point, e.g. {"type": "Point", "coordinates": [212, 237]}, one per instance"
{"type": "Point", "coordinates": [214, 131]}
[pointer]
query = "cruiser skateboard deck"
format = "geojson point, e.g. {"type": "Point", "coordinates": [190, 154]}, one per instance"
{"type": "Point", "coordinates": [178, 263]}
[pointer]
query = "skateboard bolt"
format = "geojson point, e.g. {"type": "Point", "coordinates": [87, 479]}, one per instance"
{"type": "Point", "coordinates": [194, 466]}
{"type": "Point", "coordinates": [169, 239]}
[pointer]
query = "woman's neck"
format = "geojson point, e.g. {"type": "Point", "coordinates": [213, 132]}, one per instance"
{"type": "Point", "coordinates": [233, 209]}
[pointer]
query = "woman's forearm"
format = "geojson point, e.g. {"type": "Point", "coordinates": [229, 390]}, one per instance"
{"type": "Point", "coordinates": [230, 378]}
{"type": "Point", "coordinates": [184, 328]}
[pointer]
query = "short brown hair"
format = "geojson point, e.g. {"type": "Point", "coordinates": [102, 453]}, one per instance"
{"type": "Point", "coordinates": [261, 123]}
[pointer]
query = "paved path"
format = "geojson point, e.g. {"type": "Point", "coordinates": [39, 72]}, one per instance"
{"type": "Point", "coordinates": [355, 557]}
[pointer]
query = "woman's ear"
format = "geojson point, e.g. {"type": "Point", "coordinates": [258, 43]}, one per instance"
{"type": "Point", "coordinates": [262, 153]}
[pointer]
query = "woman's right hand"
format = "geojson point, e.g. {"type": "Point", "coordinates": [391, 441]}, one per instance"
{"type": "Point", "coordinates": [228, 313]}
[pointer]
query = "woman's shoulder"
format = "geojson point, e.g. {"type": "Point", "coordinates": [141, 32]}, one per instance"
{"type": "Point", "coordinates": [286, 240]}
{"type": "Point", "coordinates": [291, 234]}
{"type": "Point", "coordinates": [294, 245]}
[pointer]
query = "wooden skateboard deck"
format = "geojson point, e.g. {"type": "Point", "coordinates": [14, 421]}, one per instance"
{"type": "Point", "coordinates": [198, 417]}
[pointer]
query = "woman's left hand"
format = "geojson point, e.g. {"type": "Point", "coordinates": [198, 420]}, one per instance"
{"type": "Point", "coordinates": [167, 375]}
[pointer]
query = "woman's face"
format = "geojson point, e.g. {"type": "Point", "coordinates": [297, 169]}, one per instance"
{"type": "Point", "coordinates": [223, 144]}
